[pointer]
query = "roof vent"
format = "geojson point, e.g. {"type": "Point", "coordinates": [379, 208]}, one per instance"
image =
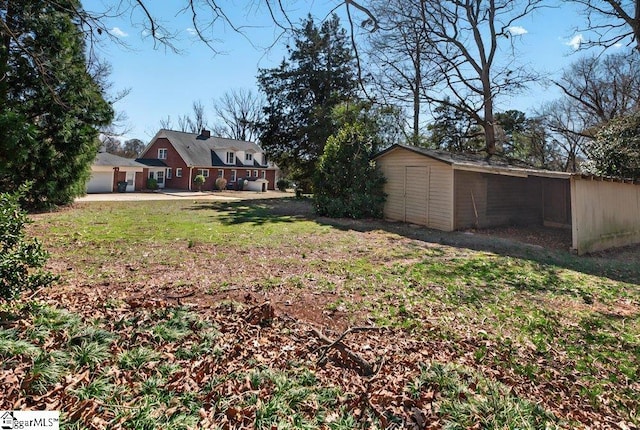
{"type": "Point", "coordinates": [204, 134]}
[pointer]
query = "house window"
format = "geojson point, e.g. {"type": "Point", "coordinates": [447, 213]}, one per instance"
{"type": "Point", "coordinates": [255, 173]}
{"type": "Point", "coordinates": [248, 173]}
{"type": "Point", "coordinates": [203, 172]}
{"type": "Point", "coordinates": [231, 158]}
{"type": "Point", "coordinates": [169, 175]}
{"type": "Point", "coordinates": [178, 172]}
{"type": "Point", "coordinates": [220, 173]}
{"type": "Point", "coordinates": [264, 174]}
{"type": "Point", "coordinates": [248, 157]}
{"type": "Point", "coordinates": [233, 175]}
{"type": "Point", "coordinates": [150, 175]}
{"type": "Point", "coordinates": [162, 153]}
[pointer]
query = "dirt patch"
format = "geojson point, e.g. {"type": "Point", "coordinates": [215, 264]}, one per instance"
{"type": "Point", "coordinates": [543, 237]}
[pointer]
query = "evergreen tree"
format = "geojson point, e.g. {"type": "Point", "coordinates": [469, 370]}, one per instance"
{"type": "Point", "coordinates": [346, 182]}
{"type": "Point", "coordinates": [301, 92]}
{"type": "Point", "coordinates": [50, 105]}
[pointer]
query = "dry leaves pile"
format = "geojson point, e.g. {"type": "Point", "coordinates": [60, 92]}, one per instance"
{"type": "Point", "coordinates": [366, 378]}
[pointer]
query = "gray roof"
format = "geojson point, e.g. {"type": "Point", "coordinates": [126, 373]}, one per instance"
{"type": "Point", "coordinates": [196, 150]}
{"type": "Point", "coordinates": [151, 162]}
{"type": "Point", "coordinates": [111, 160]}
{"type": "Point", "coordinates": [477, 162]}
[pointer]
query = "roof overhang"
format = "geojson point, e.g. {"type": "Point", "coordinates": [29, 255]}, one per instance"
{"type": "Point", "coordinates": [510, 171]}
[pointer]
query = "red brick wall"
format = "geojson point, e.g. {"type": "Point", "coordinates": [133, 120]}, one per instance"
{"type": "Point", "coordinates": [271, 177]}
{"type": "Point", "coordinates": [173, 161]}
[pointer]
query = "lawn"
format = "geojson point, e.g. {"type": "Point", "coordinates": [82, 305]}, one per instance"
{"type": "Point", "coordinates": [187, 314]}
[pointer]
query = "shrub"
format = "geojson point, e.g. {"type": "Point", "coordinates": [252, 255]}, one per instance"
{"type": "Point", "coordinates": [152, 184]}
{"type": "Point", "coordinates": [616, 148]}
{"type": "Point", "coordinates": [221, 184]}
{"type": "Point", "coordinates": [282, 184]}
{"type": "Point", "coordinates": [21, 259]}
{"type": "Point", "coordinates": [347, 183]}
{"type": "Point", "coordinates": [199, 180]}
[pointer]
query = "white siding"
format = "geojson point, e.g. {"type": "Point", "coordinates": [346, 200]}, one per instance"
{"type": "Point", "coordinates": [438, 194]}
{"type": "Point", "coordinates": [604, 214]}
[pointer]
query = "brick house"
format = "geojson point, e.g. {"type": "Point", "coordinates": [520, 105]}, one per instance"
{"type": "Point", "coordinates": [175, 158]}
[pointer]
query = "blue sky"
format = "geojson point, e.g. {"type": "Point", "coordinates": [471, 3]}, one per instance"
{"type": "Point", "coordinates": [163, 83]}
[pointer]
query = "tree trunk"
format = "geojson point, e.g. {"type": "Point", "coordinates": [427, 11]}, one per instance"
{"type": "Point", "coordinates": [489, 128]}
{"type": "Point", "coordinates": [4, 51]}
{"type": "Point", "coordinates": [416, 96]}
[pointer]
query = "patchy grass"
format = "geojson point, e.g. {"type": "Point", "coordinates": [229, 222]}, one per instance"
{"type": "Point", "coordinates": [510, 335]}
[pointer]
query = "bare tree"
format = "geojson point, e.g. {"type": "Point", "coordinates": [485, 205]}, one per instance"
{"type": "Point", "coordinates": [602, 88]}
{"type": "Point", "coordinates": [238, 113]}
{"type": "Point", "coordinates": [187, 123]}
{"type": "Point", "coordinates": [110, 144]}
{"type": "Point", "coordinates": [399, 57]}
{"type": "Point", "coordinates": [612, 21]}
{"type": "Point", "coordinates": [166, 123]}
{"type": "Point", "coordinates": [132, 148]}
{"type": "Point", "coordinates": [566, 124]}
{"type": "Point", "coordinates": [464, 37]}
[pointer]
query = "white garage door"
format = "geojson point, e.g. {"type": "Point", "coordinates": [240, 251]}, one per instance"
{"type": "Point", "coordinates": [100, 182]}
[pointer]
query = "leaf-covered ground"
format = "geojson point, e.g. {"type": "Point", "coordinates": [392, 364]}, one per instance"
{"type": "Point", "coordinates": [202, 315]}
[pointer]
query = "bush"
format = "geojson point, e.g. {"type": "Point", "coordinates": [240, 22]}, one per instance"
{"type": "Point", "coordinates": [21, 260]}
{"type": "Point", "coordinates": [347, 183]}
{"type": "Point", "coordinates": [152, 184]}
{"type": "Point", "coordinates": [199, 181]}
{"type": "Point", "coordinates": [616, 149]}
{"type": "Point", "coordinates": [283, 184]}
{"type": "Point", "coordinates": [221, 184]}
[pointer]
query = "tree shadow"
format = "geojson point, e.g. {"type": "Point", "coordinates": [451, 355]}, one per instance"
{"type": "Point", "coordinates": [259, 211]}
{"type": "Point", "coordinates": [288, 209]}
{"type": "Point", "coordinates": [600, 265]}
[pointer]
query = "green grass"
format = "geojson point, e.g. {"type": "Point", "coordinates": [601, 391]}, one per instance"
{"type": "Point", "coordinates": [542, 315]}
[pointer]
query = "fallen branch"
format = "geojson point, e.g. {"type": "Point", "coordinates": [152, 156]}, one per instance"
{"type": "Point", "coordinates": [182, 296]}
{"type": "Point", "coordinates": [365, 369]}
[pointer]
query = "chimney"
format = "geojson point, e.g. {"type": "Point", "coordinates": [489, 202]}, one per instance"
{"type": "Point", "coordinates": [204, 134]}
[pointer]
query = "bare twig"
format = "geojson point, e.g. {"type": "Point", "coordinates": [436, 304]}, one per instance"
{"type": "Point", "coordinates": [182, 296]}
{"type": "Point", "coordinates": [365, 368]}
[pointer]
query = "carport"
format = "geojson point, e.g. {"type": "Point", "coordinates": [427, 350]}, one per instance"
{"type": "Point", "coordinates": [450, 192]}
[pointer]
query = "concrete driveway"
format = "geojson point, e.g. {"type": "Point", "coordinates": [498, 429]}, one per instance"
{"type": "Point", "coordinates": [180, 194]}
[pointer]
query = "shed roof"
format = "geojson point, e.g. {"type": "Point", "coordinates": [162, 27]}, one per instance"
{"type": "Point", "coordinates": [199, 150]}
{"type": "Point", "coordinates": [476, 162]}
{"type": "Point", "coordinates": [111, 160]}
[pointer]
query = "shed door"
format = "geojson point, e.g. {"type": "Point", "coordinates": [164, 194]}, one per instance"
{"type": "Point", "coordinates": [416, 201]}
